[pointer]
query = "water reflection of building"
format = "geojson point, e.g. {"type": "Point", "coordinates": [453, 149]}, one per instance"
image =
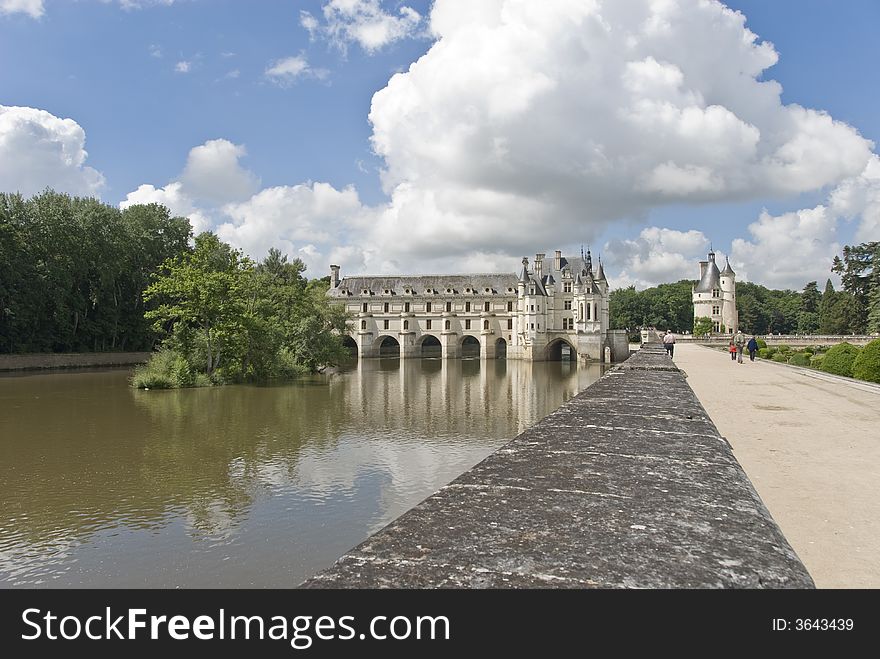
{"type": "Point", "coordinates": [557, 309]}
{"type": "Point", "coordinates": [462, 398]}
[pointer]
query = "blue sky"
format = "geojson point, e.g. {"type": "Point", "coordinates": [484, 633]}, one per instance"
{"type": "Point", "coordinates": [148, 84]}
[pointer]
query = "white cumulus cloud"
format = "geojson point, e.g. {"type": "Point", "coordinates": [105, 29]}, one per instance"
{"type": "Point", "coordinates": [39, 150]}
{"type": "Point", "coordinates": [859, 197]}
{"type": "Point", "coordinates": [33, 8]}
{"type": "Point", "coordinates": [307, 221]}
{"type": "Point", "coordinates": [364, 22]}
{"type": "Point", "coordinates": [557, 118]}
{"type": "Point", "coordinates": [175, 199]}
{"type": "Point", "coordinates": [286, 71]}
{"type": "Point", "coordinates": [788, 250]}
{"type": "Point", "coordinates": [657, 256]}
{"type": "Point", "coordinates": [213, 174]}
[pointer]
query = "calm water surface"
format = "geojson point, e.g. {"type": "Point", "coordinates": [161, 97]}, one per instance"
{"type": "Point", "coordinates": [241, 486]}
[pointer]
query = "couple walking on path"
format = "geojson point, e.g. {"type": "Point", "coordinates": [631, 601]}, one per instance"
{"type": "Point", "coordinates": [738, 344]}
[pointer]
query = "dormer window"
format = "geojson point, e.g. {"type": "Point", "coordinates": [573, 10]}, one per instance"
{"type": "Point", "coordinates": [468, 290]}
{"type": "Point", "coordinates": [408, 291]}
{"type": "Point", "coordinates": [387, 291]}
{"type": "Point", "coordinates": [488, 290]}
{"type": "Point", "coordinates": [366, 291]}
{"type": "Point", "coordinates": [449, 291]}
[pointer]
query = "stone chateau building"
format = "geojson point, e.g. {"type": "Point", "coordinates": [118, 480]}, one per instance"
{"type": "Point", "coordinates": [556, 309]}
{"type": "Point", "coordinates": [714, 296]}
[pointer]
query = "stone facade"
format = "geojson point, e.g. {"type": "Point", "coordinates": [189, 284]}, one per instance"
{"type": "Point", "coordinates": [714, 296]}
{"type": "Point", "coordinates": [554, 309]}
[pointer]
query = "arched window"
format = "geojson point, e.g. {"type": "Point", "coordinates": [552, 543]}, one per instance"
{"type": "Point", "coordinates": [485, 324]}
{"type": "Point", "coordinates": [405, 325]}
{"type": "Point", "coordinates": [363, 324]}
{"type": "Point", "coordinates": [447, 325]}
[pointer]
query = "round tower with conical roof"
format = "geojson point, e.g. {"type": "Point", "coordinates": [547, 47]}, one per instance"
{"type": "Point", "coordinates": [714, 296]}
{"type": "Point", "coordinates": [729, 315]}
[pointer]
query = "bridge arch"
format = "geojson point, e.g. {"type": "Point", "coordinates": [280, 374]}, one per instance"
{"type": "Point", "coordinates": [386, 346]}
{"type": "Point", "coordinates": [470, 347]}
{"type": "Point", "coordinates": [560, 350]}
{"type": "Point", "coordinates": [500, 349]}
{"type": "Point", "coordinates": [430, 346]}
{"type": "Point", "coordinates": [350, 346]}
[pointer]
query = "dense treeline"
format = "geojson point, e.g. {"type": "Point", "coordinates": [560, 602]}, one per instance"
{"type": "Point", "coordinates": [73, 271]}
{"type": "Point", "coordinates": [78, 275]}
{"type": "Point", "coordinates": [225, 318]}
{"type": "Point", "coordinates": [853, 310]}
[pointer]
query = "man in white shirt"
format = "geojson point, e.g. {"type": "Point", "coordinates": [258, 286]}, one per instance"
{"type": "Point", "coordinates": [669, 342]}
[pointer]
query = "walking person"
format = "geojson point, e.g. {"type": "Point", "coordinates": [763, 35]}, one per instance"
{"type": "Point", "coordinates": [740, 341]}
{"type": "Point", "coordinates": [732, 350]}
{"type": "Point", "coordinates": [669, 342]}
{"type": "Point", "coordinates": [752, 345]}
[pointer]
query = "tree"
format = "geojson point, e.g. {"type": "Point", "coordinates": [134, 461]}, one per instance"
{"type": "Point", "coordinates": [73, 270]}
{"type": "Point", "coordinates": [702, 326]}
{"type": "Point", "coordinates": [231, 319]}
{"type": "Point", "coordinates": [859, 272]}
{"type": "Point", "coordinates": [202, 291]}
{"type": "Point", "coordinates": [833, 311]}
{"type": "Point", "coordinates": [811, 298]}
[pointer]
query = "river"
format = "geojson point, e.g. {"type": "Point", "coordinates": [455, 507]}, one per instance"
{"type": "Point", "coordinates": [103, 486]}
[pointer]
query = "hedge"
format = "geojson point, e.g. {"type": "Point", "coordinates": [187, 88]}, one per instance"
{"type": "Point", "coordinates": [839, 359]}
{"type": "Point", "coordinates": [867, 364]}
{"type": "Point", "coordinates": [800, 359]}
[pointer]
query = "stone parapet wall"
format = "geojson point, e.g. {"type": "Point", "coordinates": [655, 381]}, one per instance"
{"type": "Point", "coordinates": [628, 485]}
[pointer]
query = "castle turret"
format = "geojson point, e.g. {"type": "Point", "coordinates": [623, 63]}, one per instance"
{"type": "Point", "coordinates": [729, 314]}
{"type": "Point", "coordinates": [714, 296]}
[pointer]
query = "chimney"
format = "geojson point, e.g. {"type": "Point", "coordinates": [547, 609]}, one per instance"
{"type": "Point", "coordinates": [558, 264]}
{"type": "Point", "coordinates": [539, 266]}
{"type": "Point", "coordinates": [334, 276]}
{"type": "Point", "coordinates": [703, 266]}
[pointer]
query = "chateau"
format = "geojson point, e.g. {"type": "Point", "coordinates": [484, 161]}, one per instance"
{"type": "Point", "coordinates": [556, 309]}
{"type": "Point", "coordinates": [714, 296]}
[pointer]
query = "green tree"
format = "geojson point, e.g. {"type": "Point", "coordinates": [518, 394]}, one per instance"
{"type": "Point", "coordinates": [859, 272]}
{"type": "Point", "coordinates": [833, 311]}
{"type": "Point", "coordinates": [72, 271]}
{"type": "Point", "coordinates": [702, 326]}
{"type": "Point", "coordinates": [203, 291]}
{"type": "Point", "coordinates": [234, 320]}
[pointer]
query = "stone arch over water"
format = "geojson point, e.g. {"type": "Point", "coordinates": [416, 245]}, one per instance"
{"type": "Point", "coordinates": [470, 348]}
{"type": "Point", "coordinates": [561, 350]}
{"type": "Point", "coordinates": [431, 346]}
{"type": "Point", "coordinates": [351, 346]}
{"type": "Point", "coordinates": [387, 346]}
